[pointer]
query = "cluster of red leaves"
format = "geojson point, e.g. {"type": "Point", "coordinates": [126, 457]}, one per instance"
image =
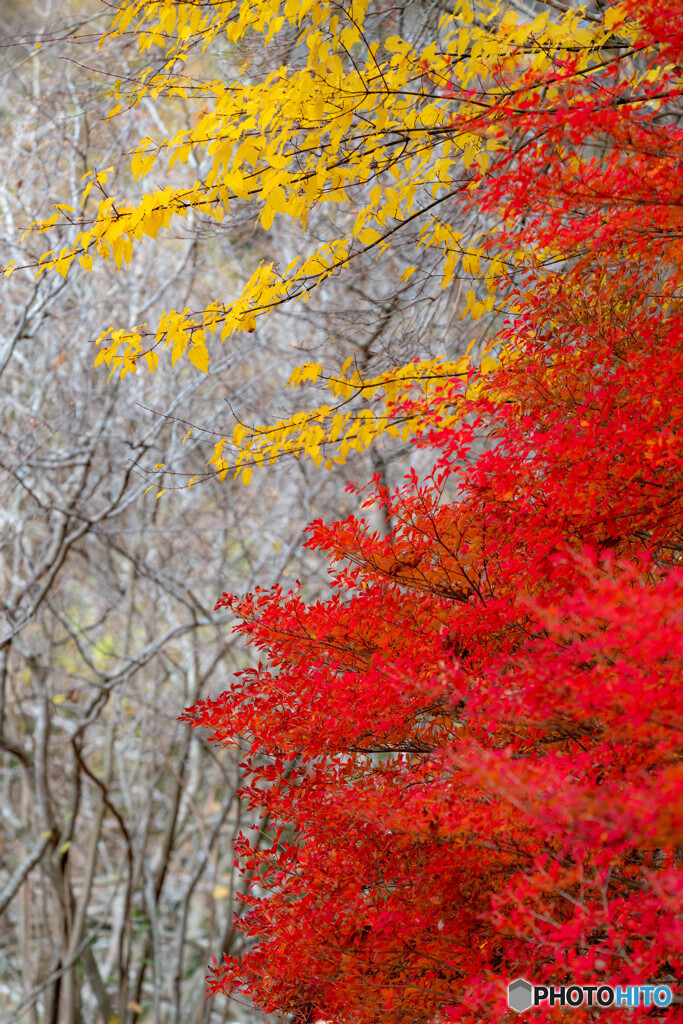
{"type": "Point", "coordinates": [467, 762]}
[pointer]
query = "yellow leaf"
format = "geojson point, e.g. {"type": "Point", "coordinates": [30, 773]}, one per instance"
{"type": "Point", "coordinates": [540, 22]}
{"type": "Point", "coordinates": [368, 236]}
{"type": "Point", "coordinates": [267, 217]}
{"type": "Point", "coordinates": [430, 116]}
{"type": "Point", "coordinates": [199, 357]}
{"type": "Point", "coordinates": [470, 263]}
{"type": "Point", "coordinates": [614, 15]}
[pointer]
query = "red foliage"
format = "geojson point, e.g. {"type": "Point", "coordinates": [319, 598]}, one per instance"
{"type": "Point", "coordinates": [473, 748]}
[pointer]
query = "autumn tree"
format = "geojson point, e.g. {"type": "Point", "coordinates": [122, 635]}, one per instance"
{"type": "Point", "coordinates": [473, 748]}
{"type": "Point", "coordinates": [370, 137]}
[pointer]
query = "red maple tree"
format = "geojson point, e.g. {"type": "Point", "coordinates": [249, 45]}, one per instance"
{"type": "Point", "coordinates": [472, 749]}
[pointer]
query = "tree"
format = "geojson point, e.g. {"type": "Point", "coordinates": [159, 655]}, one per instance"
{"type": "Point", "coordinates": [484, 723]}
{"type": "Point", "coordinates": [374, 129]}
{"type": "Point", "coordinates": [473, 748]}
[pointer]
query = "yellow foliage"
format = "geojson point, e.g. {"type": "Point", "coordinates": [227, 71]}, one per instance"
{"type": "Point", "coordinates": [361, 114]}
{"type": "Point", "coordinates": [329, 433]}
